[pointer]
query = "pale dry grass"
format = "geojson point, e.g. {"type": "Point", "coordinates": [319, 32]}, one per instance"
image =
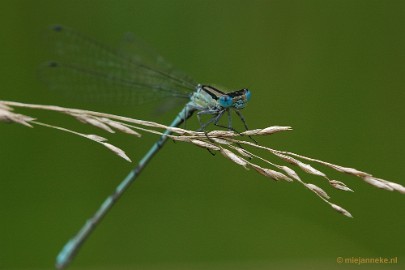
{"type": "Point", "coordinates": [228, 143]}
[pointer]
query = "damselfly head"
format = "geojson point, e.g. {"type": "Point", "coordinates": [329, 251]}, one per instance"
{"type": "Point", "coordinates": [239, 98]}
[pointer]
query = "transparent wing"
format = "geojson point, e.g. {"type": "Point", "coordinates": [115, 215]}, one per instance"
{"type": "Point", "coordinates": [136, 49]}
{"type": "Point", "coordinates": [90, 70]}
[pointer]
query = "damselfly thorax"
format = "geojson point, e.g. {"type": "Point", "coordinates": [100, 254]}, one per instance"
{"type": "Point", "coordinates": [208, 97]}
{"type": "Point", "coordinates": [211, 101]}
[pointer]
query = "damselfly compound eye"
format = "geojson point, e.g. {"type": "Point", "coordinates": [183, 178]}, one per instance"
{"type": "Point", "coordinates": [225, 101]}
{"type": "Point", "coordinates": [247, 94]}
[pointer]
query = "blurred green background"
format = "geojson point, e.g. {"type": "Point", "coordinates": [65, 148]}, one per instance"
{"type": "Point", "coordinates": [334, 70]}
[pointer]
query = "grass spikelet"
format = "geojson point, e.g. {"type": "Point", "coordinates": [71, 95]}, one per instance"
{"type": "Point", "coordinates": [318, 191]}
{"type": "Point", "coordinates": [290, 172]}
{"type": "Point", "coordinates": [120, 127]}
{"type": "Point", "coordinates": [96, 138]}
{"type": "Point", "coordinates": [303, 166]}
{"type": "Point", "coordinates": [275, 175]}
{"type": "Point", "coordinates": [341, 210]}
{"type": "Point", "coordinates": [94, 121]}
{"type": "Point", "coordinates": [339, 185]}
{"type": "Point", "coordinates": [230, 155]}
{"type": "Point", "coordinates": [205, 145]}
{"type": "Point", "coordinates": [265, 131]}
{"type": "Point", "coordinates": [377, 183]}
{"type": "Point", "coordinates": [116, 151]}
{"type": "Point", "coordinates": [7, 116]}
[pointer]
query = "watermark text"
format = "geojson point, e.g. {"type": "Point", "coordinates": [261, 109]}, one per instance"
{"type": "Point", "coordinates": [367, 260]}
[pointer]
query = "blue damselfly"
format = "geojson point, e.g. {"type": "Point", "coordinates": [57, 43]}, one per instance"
{"type": "Point", "coordinates": [88, 68]}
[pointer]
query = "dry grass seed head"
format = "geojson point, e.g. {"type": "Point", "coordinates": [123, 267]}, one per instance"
{"type": "Point", "coordinates": [109, 123]}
